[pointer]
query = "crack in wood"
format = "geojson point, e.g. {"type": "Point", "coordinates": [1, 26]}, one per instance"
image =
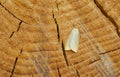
{"type": "Point", "coordinates": [21, 51]}
{"type": "Point", "coordinates": [77, 73]}
{"type": "Point", "coordinates": [16, 30]}
{"type": "Point", "coordinates": [108, 16]}
{"type": "Point", "coordinates": [13, 69]}
{"type": "Point", "coordinates": [19, 26]}
{"type": "Point", "coordinates": [95, 61]}
{"type": "Point", "coordinates": [64, 54]}
{"type": "Point", "coordinates": [57, 26]}
{"type": "Point", "coordinates": [15, 17]}
{"type": "Point", "coordinates": [78, 62]}
{"type": "Point", "coordinates": [59, 74]}
{"type": "Point", "coordinates": [11, 34]}
{"type": "Point", "coordinates": [109, 51]}
{"type": "Point", "coordinates": [11, 13]}
{"type": "Point", "coordinates": [12, 72]}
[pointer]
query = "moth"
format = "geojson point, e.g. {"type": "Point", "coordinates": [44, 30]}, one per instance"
{"type": "Point", "coordinates": [72, 42]}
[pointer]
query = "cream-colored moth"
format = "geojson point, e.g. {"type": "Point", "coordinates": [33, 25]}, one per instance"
{"type": "Point", "coordinates": [73, 40]}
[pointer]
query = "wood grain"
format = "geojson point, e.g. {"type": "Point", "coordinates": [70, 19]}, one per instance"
{"type": "Point", "coordinates": [33, 34]}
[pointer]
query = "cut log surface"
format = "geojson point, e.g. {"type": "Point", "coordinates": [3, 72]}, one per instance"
{"type": "Point", "coordinates": [33, 34]}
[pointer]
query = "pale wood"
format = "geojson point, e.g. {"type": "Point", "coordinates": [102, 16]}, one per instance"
{"type": "Point", "coordinates": [33, 34]}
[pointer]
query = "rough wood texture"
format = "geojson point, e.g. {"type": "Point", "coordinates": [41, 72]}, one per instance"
{"type": "Point", "coordinates": [33, 34]}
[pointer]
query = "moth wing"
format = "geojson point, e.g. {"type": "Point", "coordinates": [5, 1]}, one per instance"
{"type": "Point", "coordinates": [67, 46]}
{"type": "Point", "coordinates": [74, 42]}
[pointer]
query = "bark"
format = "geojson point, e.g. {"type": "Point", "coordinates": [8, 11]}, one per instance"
{"type": "Point", "coordinates": [33, 34]}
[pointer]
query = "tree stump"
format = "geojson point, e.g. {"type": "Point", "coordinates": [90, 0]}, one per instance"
{"type": "Point", "coordinates": [33, 34]}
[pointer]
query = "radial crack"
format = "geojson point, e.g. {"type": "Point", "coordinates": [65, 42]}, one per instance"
{"type": "Point", "coordinates": [11, 34]}
{"type": "Point", "coordinates": [21, 51]}
{"type": "Point", "coordinates": [77, 73]}
{"type": "Point", "coordinates": [12, 72]}
{"type": "Point", "coordinates": [16, 30]}
{"type": "Point", "coordinates": [108, 16]}
{"type": "Point", "coordinates": [19, 26]}
{"type": "Point", "coordinates": [58, 71]}
{"type": "Point", "coordinates": [64, 54]}
{"type": "Point", "coordinates": [11, 13]}
{"type": "Point", "coordinates": [13, 69]}
{"type": "Point", "coordinates": [57, 26]}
